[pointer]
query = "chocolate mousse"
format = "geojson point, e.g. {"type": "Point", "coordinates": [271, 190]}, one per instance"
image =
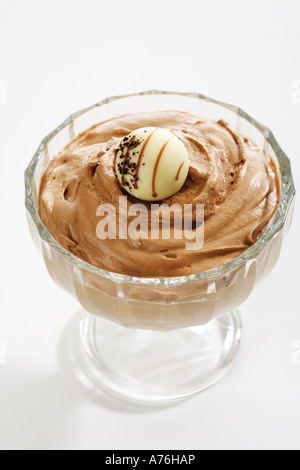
{"type": "Point", "coordinates": [228, 173]}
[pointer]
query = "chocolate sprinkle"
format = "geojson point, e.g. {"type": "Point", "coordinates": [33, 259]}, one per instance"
{"type": "Point", "coordinates": [127, 167]}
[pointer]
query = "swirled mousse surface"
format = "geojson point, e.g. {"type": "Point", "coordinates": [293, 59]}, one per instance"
{"type": "Point", "coordinates": [228, 174]}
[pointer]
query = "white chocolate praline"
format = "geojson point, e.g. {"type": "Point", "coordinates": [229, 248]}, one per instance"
{"type": "Point", "coordinates": [151, 164]}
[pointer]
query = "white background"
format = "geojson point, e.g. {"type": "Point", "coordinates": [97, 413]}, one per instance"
{"type": "Point", "coordinates": [61, 55]}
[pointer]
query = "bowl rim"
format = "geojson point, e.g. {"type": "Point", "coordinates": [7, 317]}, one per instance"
{"type": "Point", "coordinates": [275, 226]}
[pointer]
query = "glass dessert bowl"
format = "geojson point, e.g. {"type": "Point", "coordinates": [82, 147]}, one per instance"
{"type": "Point", "coordinates": [159, 340]}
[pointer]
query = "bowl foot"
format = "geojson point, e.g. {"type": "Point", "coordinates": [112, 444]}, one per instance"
{"type": "Point", "coordinates": [157, 368]}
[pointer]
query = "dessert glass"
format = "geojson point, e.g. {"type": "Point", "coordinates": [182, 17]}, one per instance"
{"type": "Point", "coordinates": [160, 340]}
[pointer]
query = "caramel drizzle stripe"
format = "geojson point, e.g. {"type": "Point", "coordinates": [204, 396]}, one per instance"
{"type": "Point", "coordinates": [156, 166]}
{"type": "Point", "coordinates": [178, 172]}
{"type": "Point", "coordinates": [138, 165]}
